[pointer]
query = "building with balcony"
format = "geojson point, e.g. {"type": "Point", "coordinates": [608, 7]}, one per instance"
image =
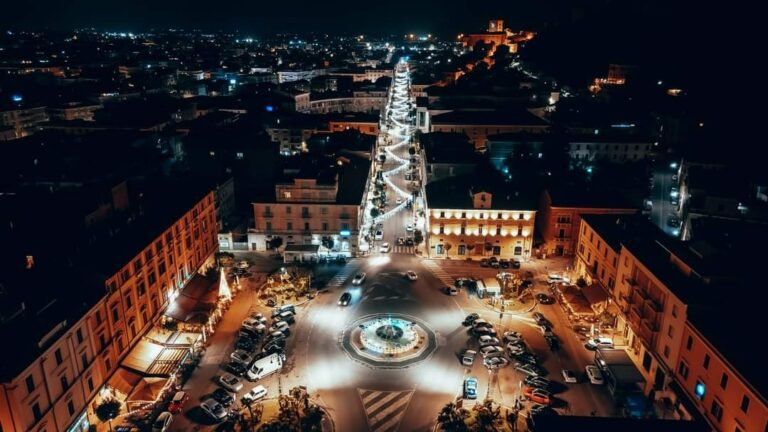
{"type": "Point", "coordinates": [321, 204]}
{"type": "Point", "coordinates": [76, 300]}
{"type": "Point", "coordinates": [560, 211]}
{"type": "Point", "coordinates": [467, 219]}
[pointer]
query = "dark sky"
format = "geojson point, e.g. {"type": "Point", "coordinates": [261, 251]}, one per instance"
{"type": "Point", "coordinates": [267, 16]}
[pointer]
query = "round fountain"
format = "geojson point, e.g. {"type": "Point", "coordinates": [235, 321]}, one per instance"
{"type": "Point", "coordinates": [389, 340]}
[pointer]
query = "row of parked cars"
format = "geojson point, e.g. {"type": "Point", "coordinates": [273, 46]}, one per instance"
{"type": "Point", "coordinates": [259, 352]}
{"type": "Point", "coordinates": [494, 262]}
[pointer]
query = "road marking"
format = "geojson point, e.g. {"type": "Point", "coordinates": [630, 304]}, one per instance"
{"type": "Point", "coordinates": [384, 409]}
{"type": "Point", "coordinates": [438, 272]}
{"type": "Point", "coordinates": [344, 274]}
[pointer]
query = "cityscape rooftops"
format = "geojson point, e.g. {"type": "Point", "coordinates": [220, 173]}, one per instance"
{"type": "Point", "coordinates": [448, 147]}
{"type": "Point", "coordinates": [457, 193]}
{"type": "Point", "coordinates": [579, 197]}
{"type": "Point", "coordinates": [490, 118]}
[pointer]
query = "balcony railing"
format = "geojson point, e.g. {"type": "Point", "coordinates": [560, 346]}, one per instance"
{"type": "Point", "coordinates": [344, 216]}
{"type": "Point", "coordinates": [306, 215]}
{"type": "Point", "coordinates": [267, 214]}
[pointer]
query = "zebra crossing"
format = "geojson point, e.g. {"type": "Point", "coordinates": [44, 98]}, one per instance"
{"type": "Point", "coordinates": [402, 249]}
{"type": "Point", "coordinates": [384, 409]}
{"type": "Point", "coordinates": [438, 272]}
{"type": "Point", "coordinates": [349, 269]}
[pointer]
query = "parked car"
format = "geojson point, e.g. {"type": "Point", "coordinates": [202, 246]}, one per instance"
{"type": "Point", "coordinates": [484, 262]}
{"type": "Point", "coordinates": [286, 317]}
{"type": "Point", "coordinates": [162, 422]}
{"type": "Point", "coordinates": [556, 278]}
{"type": "Point", "coordinates": [358, 279]}
{"type": "Point", "coordinates": [515, 264]}
{"type": "Point", "coordinates": [537, 395]}
{"type": "Point", "coordinates": [491, 351]}
{"type": "Point", "coordinates": [400, 241]}
{"type": "Point", "coordinates": [496, 362]}
{"type": "Point", "coordinates": [345, 299]}
{"type": "Point", "coordinates": [223, 397]}
{"type": "Point", "coordinates": [538, 382]}
{"type": "Point", "coordinates": [511, 336]}
{"type": "Point", "coordinates": [594, 375]}
{"type": "Point", "coordinates": [180, 399]}
{"type": "Point", "coordinates": [451, 290]}
{"type": "Point", "coordinates": [255, 393]}
{"type": "Point", "coordinates": [504, 263]}
{"type": "Point", "coordinates": [230, 382]}
{"type": "Point", "coordinates": [214, 409]}
{"type": "Point", "coordinates": [281, 326]}
{"type": "Point", "coordinates": [540, 318]}
{"type": "Point", "coordinates": [286, 307]}
{"type": "Point", "coordinates": [470, 388]}
{"type": "Point", "coordinates": [471, 318]}
{"type": "Point", "coordinates": [385, 247]}
{"type": "Point", "coordinates": [487, 340]}
{"type": "Point", "coordinates": [411, 275]}
{"type": "Point", "coordinates": [409, 242]}
{"type": "Point", "coordinates": [250, 324]}
{"type": "Point", "coordinates": [258, 316]}
{"type": "Point", "coordinates": [569, 376]}
{"type": "Point", "coordinates": [464, 282]}
{"type": "Point", "coordinates": [379, 235]}
{"type": "Point", "coordinates": [546, 330]}
{"type": "Point", "coordinates": [409, 227]}
{"type": "Point", "coordinates": [245, 343]}
{"type": "Point", "coordinates": [481, 331]}
{"type": "Point", "coordinates": [526, 357]}
{"type": "Point", "coordinates": [236, 368]}
{"type": "Point", "coordinates": [530, 369]}
{"type": "Point", "coordinates": [481, 323]}
{"type": "Point", "coordinates": [599, 342]}
{"type": "Point", "coordinates": [241, 356]}
{"type": "Point", "coordinates": [544, 299]}
{"type": "Point", "coordinates": [468, 358]}
{"type": "Point", "coordinates": [553, 342]}
{"type": "Point", "coordinates": [493, 262]}
{"type": "Point", "coordinates": [514, 349]}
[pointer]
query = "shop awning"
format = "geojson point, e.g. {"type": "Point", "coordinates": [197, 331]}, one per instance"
{"type": "Point", "coordinates": [123, 381]}
{"type": "Point", "coordinates": [195, 302]}
{"type": "Point", "coordinates": [148, 389]}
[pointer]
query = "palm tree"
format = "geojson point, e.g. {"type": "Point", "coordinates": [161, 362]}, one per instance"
{"type": "Point", "coordinates": [487, 416]}
{"type": "Point", "coordinates": [452, 418]}
{"type": "Point", "coordinates": [107, 410]}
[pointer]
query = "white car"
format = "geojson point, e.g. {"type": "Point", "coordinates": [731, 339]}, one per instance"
{"type": "Point", "coordinates": [231, 382]}
{"type": "Point", "coordinates": [379, 235]}
{"type": "Point", "coordinates": [241, 356]}
{"type": "Point", "coordinates": [162, 422]}
{"type": "Point", "coordinates": [255, 393]}
{"type": "Point", "coordinates": [468, 358]}
{"type": "Point", "coordinates": [569, 376]}
{"type": "Point", "coordinates": [512, 336]}
{"type": "Point", "coordinates": [251, 324]}
{"type": "Point", "coordinates": [399, 201]}
{"type": "Point", "coordinates": [594, 375]}
{"type": "Point", "coordinates": [358, 279]}
{"type": "Point", "coordinates": [214, 409]}
{"type": "Point", "coordinates": [409, 227]}
{"type": "Point", "coordinates": [385, 247]}
{"type": "Point", "coordinates": [411, 275]}
{"type": "Point", "coordinates": [556, 278]}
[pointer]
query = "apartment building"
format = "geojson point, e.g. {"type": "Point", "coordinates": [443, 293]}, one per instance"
{"type": "Point", "coordinates": [560, 211]}
{"type": "Point", "coordinates": [470, 220]}
{"type": "Point", "coordinates": [315, 206]}
{"type": "Point", "coordinates": [478, 125]}
{"type": "Point", "coordinates": [616, 149]}
{"type": "Point", "coordinates": [71, 318]}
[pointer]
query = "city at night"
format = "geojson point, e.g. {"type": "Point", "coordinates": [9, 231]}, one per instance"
{"type": "Point", "coordinates": [336, 216]}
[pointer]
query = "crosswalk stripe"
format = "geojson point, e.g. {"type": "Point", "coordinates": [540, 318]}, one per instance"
{"type": "Point", "coordinates": [438, 272]}
{"type": "Point", "coordinates": [384, 409]}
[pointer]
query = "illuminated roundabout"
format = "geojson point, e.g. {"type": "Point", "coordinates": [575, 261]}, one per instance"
{"type": "Point", "coordinates": [389, 340]}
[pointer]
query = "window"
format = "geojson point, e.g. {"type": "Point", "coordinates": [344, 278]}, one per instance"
{"type": "Point", "coordinates": [647, 361]}
{"type": "Point", "coordinates": [306, 226]}
{"type": "Point", "coordinates": [268, 226]}
{"type": "Point", "coordinates": [670, 331]}
{"type": "Point", "coordinates": [289, 226]}
{"type": "Point", "coordinates": [151, 278]}
{"type": "Point", "coordinates": [79, 336]}
{"type": "Point", "coordinates": [521, 216]}
{"type": "Point", "coordinates": [128, 301]}
{"type": "Point", "coordinates": [716, 410]}
{"type": "Point", "coordinates": [325, 226]}
{"type": "Point", "coordinates": [108, 364]}
{"type": "Point", "coordinates": [267, 210]}
{"type": "Point", "coordinates": [674, 311]}
{"type": "Point", "coordinates": [706, 361]}
{"type": "Point", "coordinates": [683, 370]}
{"type": "Point", "coordinates": [159, 246]}
{"type": "Point", "coordinates": [90, 384]}
{"type": "Point", "coordinates": [288, 208]}
{"type": "Point", "coordinates": [161, 268]}
{"type": "Point", "coordinates": [744, 404]}
{"type": "Point", "coordinates": [323, 210]}
{"type": "Point", "coordinates": [724, 381]}
{"type": "Point", "coordinates": [137, 266]}
{"type": "Point", "coordinates": [84, 358]}
{"type": "Point", "coordinates": [240, 155]}
{"type": "Point", "coordinates": [115, 314]}
{"type": "Point", "coordinates": [64, 382]}
{"type": "Point", "coordinates": [700, 389]}
{"type": "Point", "coordinates": [36, 412]}
{"type": "Point", "coordinates": [148, 255]}
{"type": "Point", "coordinates": [689, 343]}
{"type": "Point", "coordinates": [442, 214]}
{"type": "Point", "coordinates": [71, 407]}
{"type": "Point", "coordinates": [666, 351]}
{"type": "Point", "coordinates": [30, 381]}
{"type": "Point", "coordinates": [59, 359]}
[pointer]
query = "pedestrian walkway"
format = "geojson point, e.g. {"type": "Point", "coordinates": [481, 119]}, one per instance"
{"type": "Point", "coordinates": [349, 269]}
{"type": "Point", "coordinates": [403, 249]}
{"type": "Point", "coordinates": [438, 272]}
{"type": "Point", "coordinates": [384, 409]}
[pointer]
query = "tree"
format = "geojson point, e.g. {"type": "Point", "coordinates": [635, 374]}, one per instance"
{"type": "Point", "coordinates": [418, 237]}
{"type": "Point", "coordinates": [275, 242]}
{"type": "Point", "coordinates": [375, 212]}
{"type": "Point", "coordinates": [448, 247]}
{"type": "Point", "coordinates": [411, 150]}
{"type": "Point", "coordinates": [487, 416]}
{"type": "Point", "coordinates": [452, 418]}
{"type": "Point", "coordinates": [382, 157]}
{"type": "Point", "coordinates": [108, 410]}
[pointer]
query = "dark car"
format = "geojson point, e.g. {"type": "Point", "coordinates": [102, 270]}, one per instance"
{"type": "Point", "coordinates": [470, 319]}
{"type": "Point", "coordinates": [493, 262]}
{"type": "Point", "coordinates": [504, 263]}
{"type": "Point", "coordinates": [540, 318]}
{"type": "Point", "coordinates": [515, 264]}
{"type": "Point", "coordinates": [554, 343]}
{"type": "Point", "coordinates": [245, 343]}
{"type": "Point", "coordinates": [409, 242]}
{"type": "Point", "coordinates": [235, 368]}
{"type": "Point", "coordinates": [484, 262]}
{"type": "Point", "coordinates": [544, 299]}
{"type": "Point", "coordinates": [345, 299]}
{"type": "Point", "coordinates": [527, 283]}
{"type": "Point", "coordinates": [223, 397]}
{"type": "Point", "coordinates": [280, 343]}
{"type": "Point", "coordinates": [526, 357]}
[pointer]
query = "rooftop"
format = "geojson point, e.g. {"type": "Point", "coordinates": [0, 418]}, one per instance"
{"type": "Point", "coordinates": [456, 193]}
{"type": "Point", "coordinates": [579, 197]}
{"type": "Point", "coordinates": [448, 147]}
{"type": "Point", "coordinates": [490, 118]}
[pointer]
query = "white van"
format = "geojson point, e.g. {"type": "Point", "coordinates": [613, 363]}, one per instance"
{"type": "Point", "coordinates": [264, 367]}
{"type": "Point", "coordinates": [600, 342]}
